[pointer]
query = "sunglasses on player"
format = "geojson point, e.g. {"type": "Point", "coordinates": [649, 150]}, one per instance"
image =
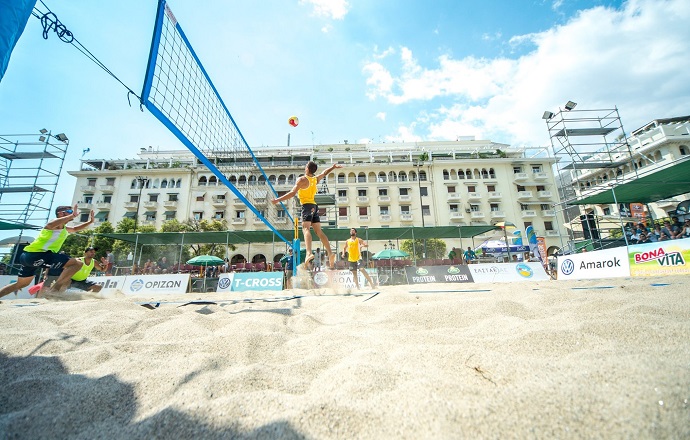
{"type": "Point", "coordinates": [68, 211]}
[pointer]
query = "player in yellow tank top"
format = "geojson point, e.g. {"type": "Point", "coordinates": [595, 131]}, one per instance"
{"type": "Point", "coordinates": [353, 248]}
{"type": "Point", "coordinates": [305, 189]}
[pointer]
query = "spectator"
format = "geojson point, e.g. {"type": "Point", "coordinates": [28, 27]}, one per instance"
{"type": "Point", "coordinates": [656, 232]}
{"type": "Point", "coordinates": [664, 236]}
{"type": "Point", "coordinates": [148, 267]}
{"type": "Point", "coordinates": [670, 230]}
{"type": "Point", "coordinates": [111, 261]}
{"type": "Point", "coordinates": [470, 255]}
{"type": "Point", "coordinates": [685, 232]}
{"type": "Point", "coordinates": [288, 269]}
{"type": "Point", "coordinates": [643, 238]}
{"type": "Point", "coordinates": [452, 254]}
{"type": "Point", "coordinates": [163, 265]}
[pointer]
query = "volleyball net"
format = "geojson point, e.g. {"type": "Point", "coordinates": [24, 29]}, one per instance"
{"type": "Point", "coordinates": [178, 92]}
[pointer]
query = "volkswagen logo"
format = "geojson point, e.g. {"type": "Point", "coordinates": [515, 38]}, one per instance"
{"type": "Point", "coordinates": [567, 267]}
{"type": "Point", "coordinates": [224, 283]}
{"type": "Point", "coordinates": [137, 285]}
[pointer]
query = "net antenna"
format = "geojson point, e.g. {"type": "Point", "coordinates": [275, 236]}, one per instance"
{"type": "Point", "coordinates": [179, 93]}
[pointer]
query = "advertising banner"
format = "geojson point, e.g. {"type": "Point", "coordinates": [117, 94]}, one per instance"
{"type": "Point", "coordinates": [541, 245]}
{"type": "Point", "coordinates": [21, 293]}
{"type": "Point", "coordinates": [155, 284]}
{"type": "Point", "coordinates": [246, 281]}
{"type": "Point", "coordinates": [637, 211]}
{"type": "Point", "coordinates": [343, 278]}
{"type": "Point", "coordinates": [609, 263]}
{"type": "Point", "coordinates": [109, 282]}
{"type": "Point", "coordinates": [660, 258]}
{"type": "Point", "coordinates": [507, 272]}
{"type": "Point", "coordinates": [438, 274]}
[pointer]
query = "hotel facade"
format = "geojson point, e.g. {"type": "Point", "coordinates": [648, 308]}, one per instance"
{"type": "Point", "coordinates": [421, 184]}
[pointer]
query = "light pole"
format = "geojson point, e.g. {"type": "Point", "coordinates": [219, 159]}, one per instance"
{"type": "Point", "coordinates": [418, 164]}
{"type": "Point", "coordinates": [142, 182]}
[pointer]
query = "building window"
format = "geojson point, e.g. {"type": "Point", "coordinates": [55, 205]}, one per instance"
{"type": "Point", "coordinates": [342, 211]}
{"type": "Point", "coordinates": [422, 176]}
{"type": "Point", "coordinates": [607, 211]}
{"type": "Point", "coordinates": [198, 215]}
{"type": "Point", "coordinates": [491, 188]}
{"type": "Point", "coordinates": [426, 210]}
{"type": "Point", "coordinates": [536, 168]}
{"type": "Point", "coordinates": [541, 188]}
{"type": "Point", "coordinates": [202, 181]}
{"type": "Point", "coordinates": [446, 176]}
{"type": "Point", "coordinates": [383, 192]}
{"type": "Point", "coordinates": [153, 197]}
{"type": "Point", "coordinates": [170, 215]}
{"type": "Point", "coordinates": [494, 207]}
{"type": "Point", "coordinates": [363, 210]}
{"type": "Point", "coordinates": [107, 199]}
{"type": "Point", "coordinates": [517, 170]}
{"type": "Point", "coordinates": [524, 207]}
{"type": "Point", "coordinates": [528, 224]}
{"type": "Point", "coordinates": [110, 181]}
{"type": "Point", "coordinates": [548, 226]}
{"type": "Point", "coordinates": [405, 209]}
{"type": "Point", "coordinates": [150, 216]}
{"type": "Point", "coordinates": [683, 150]}
{"type": "Point", "coordinates": [471, 188]}
{"type": "Point", "coordinates": [200, 198]}
{"type": "Point", "coordinates": [454, 208]}
{"type": "Point", "coordinates": [403, 191]}
{"type": "Point", "coordinates": [545, 207]}
{"type": "Point", "coordinates": [91, 182]}
{"type": "Point", "coordinates": [84, 217]}
{"type": "Point", "coordinates": [88, 198]}
{"type": "Point", "coordinates": [474, 208]}
{"type": "Point", "coordinates": [520, 188]}
{"type": "Point", "coordinates": [342, 193]}
{"type": "Point", "coordinates": [219, 215]}
{"type": "Point", "coordinates": [133, 198]}
{"type": "Point", "coordinates": [282, 214]}
{"type": "Point", "coordinates": [384, 210]}
{"type": "Point", "coordinates": [424, 191]}
{"type": "Point", "coordinates": [451, 189]}
{"type": "Point", "coordinates": [172, 197]}
{"type": "Point", "coordinates": [361, 192]}
{"type": "Point", "coordinates": [240, 214]}
{"type": "Point", "coordinates": [322, 212]}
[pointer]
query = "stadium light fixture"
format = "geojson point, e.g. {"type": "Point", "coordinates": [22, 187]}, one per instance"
{"type": "Point", "coordinates": [41, 138]}
{"type": "Point", "coordinates": [62, 137]}
{"type": "Point", "coordinates": [570, 105]}
{"type": "Point", "coordinates": [43, 131]}
{"type": "Point", "coordinates": [547, 115]}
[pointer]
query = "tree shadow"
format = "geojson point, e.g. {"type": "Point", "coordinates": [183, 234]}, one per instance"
{"type": "Point", "coordinates": [41, 399]}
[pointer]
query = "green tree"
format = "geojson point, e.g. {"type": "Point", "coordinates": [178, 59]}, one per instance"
{"type": "Point", "coordinates": [217, 249]}
{"type": "Point", "coordinates": [435, 248]}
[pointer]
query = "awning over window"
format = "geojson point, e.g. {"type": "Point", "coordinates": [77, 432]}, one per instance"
{"type": "Point", "coordinates": [130, 214]}
{"type": "Point", "coordinates": [167, 213]}
{"type": "Point", "coordinates": [102, 215]}
{"type": "Point", "coordinates": [150, 213]}
{"type": "Point", "coordinates": [199, 194]}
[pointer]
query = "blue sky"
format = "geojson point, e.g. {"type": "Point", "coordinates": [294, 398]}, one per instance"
{"type": "Point", "coordinates": [359, 70]}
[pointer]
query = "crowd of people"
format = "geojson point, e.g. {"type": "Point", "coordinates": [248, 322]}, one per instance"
{"type": "Point", "coordinates": [672, 229]}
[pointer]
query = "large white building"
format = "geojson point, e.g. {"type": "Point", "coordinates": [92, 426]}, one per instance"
{"type": "Point", "coordinates": [463, 182]}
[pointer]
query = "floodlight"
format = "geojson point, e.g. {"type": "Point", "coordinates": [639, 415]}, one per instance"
{"type": "Point", "coordinates": [41, 138]}
{"type": "Point", "coordinates": [62, 137]}
{"type": "Point", "coordinates": [547, 115]}
{"type": "Point", "coordinates": [570, 105]}
{"type": "Point", "coordinates": [43, 131]}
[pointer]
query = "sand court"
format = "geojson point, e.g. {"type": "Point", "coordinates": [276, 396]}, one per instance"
{"type": "Point", "coordinates": [589, 359]}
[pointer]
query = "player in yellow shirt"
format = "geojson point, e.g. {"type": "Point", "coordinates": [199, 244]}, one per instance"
{"type": "Point", "coordinates": [79, 279]}
{"type": "Point", "coordinates": [305, 189]}
{"type": "Point", "coordinates": [353, 248]}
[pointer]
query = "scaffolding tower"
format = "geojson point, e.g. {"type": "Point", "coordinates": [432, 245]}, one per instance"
{"type": "Point", "coordinates": [592, 155]}
{"type": "Point", "coordinates": [30, 167]}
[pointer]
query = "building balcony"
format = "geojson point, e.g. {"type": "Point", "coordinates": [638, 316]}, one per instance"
{"type": "Point", "coordinates": [551, 233]}
{"type": "Point", "coordinates": [540, 176]}
{"type": "Point", "coordinates": [519, 177]}
{"type": "Point", "coordinates": [85, 206]}
{"type": "Point", "coordinates": [261, 201]}
{"type": "Point", "coordinates": [529, 213]}
{"type": "Point", "coordinates": [544, 194]}
{"type": "Point", "coordinates": [342, 200]}
{"type": "Point", "coordinates": [405, 198]}
{"type": "Point", "coordinates": [667, 204]}
{"type": "Point", "coordinates": [384, 218]}
{"type": "Point", "coordinates": [406, 217]}
{"type": "Point", "coordinates": [498, 214]}
{"type": "Point", "coordinates": [90, 189]}
{"type": "Point", "coordinates": [522, 195]}
{"type": "Point", "coordinates": [363, 218]}
{"type": "Point", "coordinates": [548, 213]}
{"type": "Point", "coordinates": [221, 203]}
{"type": "Point", "coordinates": [362, 199]}
{"type": "Point", "coordinates": [281, 220]}
{"type": "Point", "coordinates": [474, 196]}
{"type": "Point", "coordinates": [495, 195]}
{"type": "Point", "coordinates": [384, 199]}
{"type": "Point", "coordinates": [454, 197]}
{"type": "Point", "coordinates": [343, 218]}
{"type": "Point", "coordinates": [237, 202]}
{"type": "Point", "coordinates": [170, 203]}
{"type": "Point", "coordinates": [131, 206]}
{"type": "Point", "coordinates": [456, 216]}
{"type": "Point", "coordinates": [107, 188]}
{"type": "Point", "coordinates": [257, 220]}
{"type": "Point", "coordinates": [477, 215]}
{"type": "Point", "coordinates": [148, 222]}
{"type": "Point", "coordinates": [150, 204]}
{"type": "Point", "coordinates": [104, 205]}
{"type": "Point", "coordinates": [239, 221]}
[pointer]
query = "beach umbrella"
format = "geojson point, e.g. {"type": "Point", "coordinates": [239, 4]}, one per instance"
{"type": "Point", "coordinates": [206, 260]}
{"type": "Point", "coordinates": [388, 254]}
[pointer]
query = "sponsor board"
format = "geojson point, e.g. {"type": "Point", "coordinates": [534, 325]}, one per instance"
{"type": "Point", "coordinates": [609, 263]}
{"type": "Point", "coordinates": [21, 293]}
{"type": "Point", "coordinates": [109, 282]}
{"type": "Point", "coordinates": [343, 278]}
{"type": "Point", "coordinates": [507, 272]}
{"type": "Point", "coordinates": [438, 274]}
{"type": "Point", "coordinates": [660, 258]}
{"type": "Point", "coordinates": [155, 284]}
{"type": "Point", "coordinates": [241, 282]}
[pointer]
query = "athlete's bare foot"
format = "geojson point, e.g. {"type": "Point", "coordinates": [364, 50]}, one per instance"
{"type": "Point", "coordinates": [331, 261]}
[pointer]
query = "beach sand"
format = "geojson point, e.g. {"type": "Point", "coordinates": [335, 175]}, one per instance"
{"type": "Point", "coordinates": [589, 359]}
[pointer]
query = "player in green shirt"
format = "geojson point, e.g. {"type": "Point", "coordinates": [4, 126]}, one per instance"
{"type": "Point", "coordinates": [79, 279]}
{"type": "Point", "coordinates": [44, 251]}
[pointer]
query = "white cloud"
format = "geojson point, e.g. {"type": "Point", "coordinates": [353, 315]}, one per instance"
{"type": "Point", "coordinates": [381, 116]}
{"type": "Point", "coordinates": [332, 9]}
{"type": "Point", "coordinates": [634, 58]}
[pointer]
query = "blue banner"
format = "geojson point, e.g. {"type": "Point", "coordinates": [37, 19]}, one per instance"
{"type": "Point", "coordinates": [13, 17]}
